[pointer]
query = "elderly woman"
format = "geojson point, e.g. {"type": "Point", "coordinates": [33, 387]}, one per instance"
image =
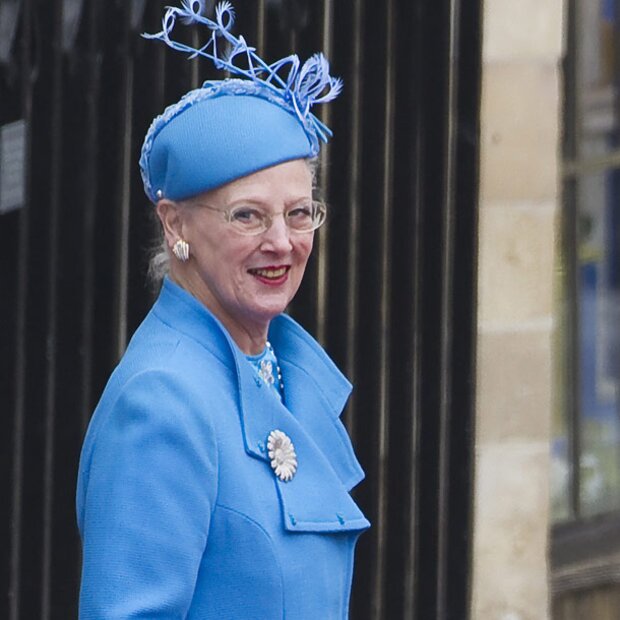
{"type": "Point", "coordinates": [215, 475]}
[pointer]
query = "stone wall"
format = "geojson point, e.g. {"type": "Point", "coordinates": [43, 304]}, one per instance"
{"type": "Point", "coordinates": [519, 194]}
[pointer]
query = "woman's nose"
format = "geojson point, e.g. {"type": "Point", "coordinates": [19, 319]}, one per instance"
{"type": "Point", "coordinates": [277, 238]}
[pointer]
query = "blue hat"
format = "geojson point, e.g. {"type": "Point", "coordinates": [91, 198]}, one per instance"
{"type": "Point", "coordinates": [230, 128]}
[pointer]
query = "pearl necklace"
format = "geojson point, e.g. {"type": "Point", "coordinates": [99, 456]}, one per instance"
{"type": "Point", "coordinates": [266, 369]}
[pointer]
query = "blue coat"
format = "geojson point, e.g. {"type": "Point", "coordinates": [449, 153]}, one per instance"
{"type": "Point", "coordinates": [180, 513]}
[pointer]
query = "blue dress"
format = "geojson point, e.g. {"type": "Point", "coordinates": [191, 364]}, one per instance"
{"type": "Point", "coordinates": [179, 509]}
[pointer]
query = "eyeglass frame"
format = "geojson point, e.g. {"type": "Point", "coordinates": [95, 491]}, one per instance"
{"type": "Point", "coordinates": [322, 210]}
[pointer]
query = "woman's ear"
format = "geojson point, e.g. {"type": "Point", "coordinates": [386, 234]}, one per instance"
{"type": "Point", "coordinates": [169, 214]}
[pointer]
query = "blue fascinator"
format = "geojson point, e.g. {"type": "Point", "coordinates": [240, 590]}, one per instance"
{"type": "Point", "coordinates": [233, 127]}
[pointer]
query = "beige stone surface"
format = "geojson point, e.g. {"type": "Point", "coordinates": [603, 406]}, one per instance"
{"type": "Point", "coordinates": [519, 132]}
{"type": "Point", "coordinates": [523, 29]}
{"type": "Point", "coordinates": [510, 552]}
{"type": "Point", "coordinates": [516, 261]}
{"type": "Point", "coordinates": [520, 119]}
{"type": "Point", "coordinates": [514, 379]}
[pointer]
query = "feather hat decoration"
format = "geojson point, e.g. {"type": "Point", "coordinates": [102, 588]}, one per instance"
{"type": "Point", "coordinates": [262, 94]}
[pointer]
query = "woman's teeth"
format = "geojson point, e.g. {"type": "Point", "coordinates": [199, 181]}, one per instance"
{"type": "Point", "coordinates": [270, 273]}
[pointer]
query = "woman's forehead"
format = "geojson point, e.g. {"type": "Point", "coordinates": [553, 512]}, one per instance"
{"type": "Point", "coordinates": [287, 181]}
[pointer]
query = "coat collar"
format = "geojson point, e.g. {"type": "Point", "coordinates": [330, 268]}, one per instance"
{"type": "Point", "coordinates": [317, 498]}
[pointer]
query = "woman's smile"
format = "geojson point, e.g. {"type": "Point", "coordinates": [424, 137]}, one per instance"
{"type": "Point", "coordinates": [272, 275]}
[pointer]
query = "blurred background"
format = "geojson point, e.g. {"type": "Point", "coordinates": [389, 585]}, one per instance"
{"type": "Point", "coordinates": [467, 282]}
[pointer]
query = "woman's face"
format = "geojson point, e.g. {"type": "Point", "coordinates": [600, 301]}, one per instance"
{"type": "Point", "coordinates": [247, 280]}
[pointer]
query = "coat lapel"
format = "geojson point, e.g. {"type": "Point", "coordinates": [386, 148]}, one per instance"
{"type": "Point", "coordinates": [317, 498]}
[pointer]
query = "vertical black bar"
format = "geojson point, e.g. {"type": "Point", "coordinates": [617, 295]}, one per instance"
{"type": "Point", "coordinates": [385, 294]}
{"type": "Point", "coordinates": [354, 89]}
{"type": "Point", "coordinates": [433, 418]}
{"type": "Point", "coordinates": [445, 403]}
{"type": "Point", "coordinates": [260, 27]}
{"type": "Point", "coordinates": [55, 163]}
{"type": "Point", "coordinates": [410, 582]}
{"type": "Point", "coordinates": [92, 86]}
{"type": "Point", "coordinates": [321, 238]}
{"type": "Point", "coordinates": [19, 377]}
{"type": "Point", "coordinates": [124, 171]}
{"type": "Point", "coordinates": [463, 309]}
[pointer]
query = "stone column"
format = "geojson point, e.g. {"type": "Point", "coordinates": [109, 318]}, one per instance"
{"type": "Point", "coordinates": [519, 200]}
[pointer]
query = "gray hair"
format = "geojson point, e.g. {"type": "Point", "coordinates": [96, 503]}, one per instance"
{"type": "Point", "coordinates": [159, 259]}
{"type": "Point", "coordinates": [159, 256]}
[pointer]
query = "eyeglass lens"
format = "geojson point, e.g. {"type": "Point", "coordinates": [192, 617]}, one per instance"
{"type": "Point", "coordinates": [303, 218]}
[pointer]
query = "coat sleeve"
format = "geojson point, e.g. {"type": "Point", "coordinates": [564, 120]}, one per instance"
{"type": "Point", "coordinates": [147, 492]}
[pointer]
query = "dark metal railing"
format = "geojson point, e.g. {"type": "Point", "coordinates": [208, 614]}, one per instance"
{"type": "Point", "coordinates": [390, 291]}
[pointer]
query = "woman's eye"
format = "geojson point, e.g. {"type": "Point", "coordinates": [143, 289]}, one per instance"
{"type": "Point", "coordinates": [246, 215]}
{"type": "Point", "coordinates": [300, 213]}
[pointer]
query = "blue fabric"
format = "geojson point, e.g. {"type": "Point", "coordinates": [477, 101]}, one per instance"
{"type": "Point", "coordinates": [180, 513]}
{"type": "Point", "coordinates": [210, 136]}
{"type": "Point", "coordinates": [216, 134]}
{"type": "Point", "coordinates": [257, 361]}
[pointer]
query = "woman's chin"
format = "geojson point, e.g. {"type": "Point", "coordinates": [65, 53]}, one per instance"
{"type": "Point", "coordinates": [271, 300]}
{"type": "Point", "coordinates": [266, 312]}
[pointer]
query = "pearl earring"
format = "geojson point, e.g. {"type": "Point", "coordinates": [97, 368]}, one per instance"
{"type": "Point", "coordinates": [181, 250]}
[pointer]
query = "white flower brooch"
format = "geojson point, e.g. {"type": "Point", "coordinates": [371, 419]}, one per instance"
{"type": "Point", "coordinates": [282, 454]}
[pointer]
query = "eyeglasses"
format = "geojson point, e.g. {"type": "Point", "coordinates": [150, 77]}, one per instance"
{"type": "Point", "coordinates": [251, 220]}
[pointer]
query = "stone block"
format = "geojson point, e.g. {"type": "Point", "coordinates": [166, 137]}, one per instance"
{"type": "Point", "coordinates": [527, 29]}
{"type": "Point", "coordinates": [516, 265]}
{"type": "Point", "coordinates": [519, 132]}
{"type": "Point", "coordinates": [514, 386]}
{"type": "Point", "coordinates": [510, 541]}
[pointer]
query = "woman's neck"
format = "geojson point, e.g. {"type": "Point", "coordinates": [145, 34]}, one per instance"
{"type": "Point", "coordinates": [250, 338]}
